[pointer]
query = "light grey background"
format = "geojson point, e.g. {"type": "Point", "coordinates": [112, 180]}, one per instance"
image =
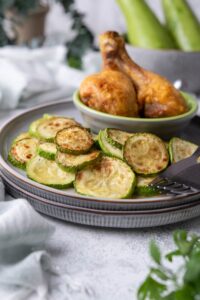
{"type": "Point", "coordinates": [102, 15]}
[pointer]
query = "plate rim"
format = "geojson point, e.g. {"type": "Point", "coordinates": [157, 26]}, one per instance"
{"type": "Point", "coordinates": [4, 164]}
{"type": "Point", "coordinates": [104, 212]}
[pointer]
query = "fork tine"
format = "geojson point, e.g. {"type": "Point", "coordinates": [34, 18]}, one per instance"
{"type": "Point", "coordinates": [172, 187]}
{"type": "Point", "coordinates": [156, 180]}
{"type": "Point", "coordinates": [168, 183]}
{"type": "Point", "coordinates": [174, 180]}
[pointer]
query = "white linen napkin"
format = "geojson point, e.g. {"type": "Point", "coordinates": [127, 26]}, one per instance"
{"type": "Point", "coordinates": [26, 268]}
{"type": "Point", "coordinates": [26, 73]}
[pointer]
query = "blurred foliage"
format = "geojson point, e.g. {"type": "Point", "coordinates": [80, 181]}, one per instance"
{"type": "Point", "coordinates": [21, 6]}
{"type": "Point", "coordinates": [82, 41]}
{"type": "Point", "coordinates": [66, 4]}
{"type": "Point", "coordinates": [3, 37]}
{"type": "Point", "coordinates": [167, 282]}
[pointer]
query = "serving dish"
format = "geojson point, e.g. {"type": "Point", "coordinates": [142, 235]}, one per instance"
{"type": "Point", "coordinates": [17, 178]}
{"type": "Point", "coordinates": [164, 127]}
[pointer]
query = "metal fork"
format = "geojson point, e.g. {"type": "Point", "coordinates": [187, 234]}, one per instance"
{"type": "Point", "coordinates": [182, 177]}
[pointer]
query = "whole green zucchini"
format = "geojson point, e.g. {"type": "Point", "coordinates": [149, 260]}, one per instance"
{"type": "Point", "coordinates": [143, 27]}
{"type": "Point", "coordinates": [183, 24]}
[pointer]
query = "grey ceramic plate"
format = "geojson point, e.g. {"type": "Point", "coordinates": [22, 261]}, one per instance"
{"type": "Point", "coordinates": [106, 218]}
{"type": "Point", "coordinates": [20, 123]}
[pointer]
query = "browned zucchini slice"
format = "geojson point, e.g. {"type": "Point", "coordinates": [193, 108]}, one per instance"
{"type": "Point", "coordinates": [48, 128]}
{"type": "Point", "coordinates": [180, 149]}
{"type": "Point", "coordinates": [22, 151]}
{"type": "Point", "coordinates": [74, 140]}
{"type": "Point", "coordinates": [47, 172]}
{"type": "Point", "coordinates": [117, 137]}
{"type": "Point", "coordinates": [146, 153]}
{"type": "Point", "coordinates": [110, 177]}
{"type": "Point", "coordinates": [107, 147]}
{"type": "Point", "coordinates": [47, 150]}
{"type": "Point", "coordinates": [72, 163]}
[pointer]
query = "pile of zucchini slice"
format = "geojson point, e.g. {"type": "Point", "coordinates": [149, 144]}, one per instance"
{"type": "Point", "coordinates": [59, 152]}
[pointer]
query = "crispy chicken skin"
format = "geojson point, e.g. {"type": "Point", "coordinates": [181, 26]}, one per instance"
{"type": "Point", "coordinates": [156, 95]}
{"type": "Point", "coordinates": [111, 92]}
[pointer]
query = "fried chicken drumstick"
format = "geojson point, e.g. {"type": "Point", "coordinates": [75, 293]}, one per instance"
{"type": "Point", "coordinates": [156, 96]}
{"type": "Point", "coordinates": [111, 92]}
{"type": "Point", "coordinates": [124, 88]}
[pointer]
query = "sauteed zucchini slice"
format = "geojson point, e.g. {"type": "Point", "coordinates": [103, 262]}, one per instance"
{"type": "Point", "coordinates": [107, 148]}
{"type": "Point", "coordinates": [143, 188]}
{"type": "Point", "coordinates": [47, 172]}
{"type": "Point", "coordinates": [146, 153]}
{"type": "Point", "coordinates": [180, 149]}
{"type": "Point", "coordinates": [117, 137]}
{"type": "Point", "coordinates": [48, 129]}
{"type": "Point", "coordinates": [34, 125]}
{"type": "Point", "coordinates": [21, 136]}
{"type": "Point", "coordinates": [47, 150]}
{"type": "Point", "coordinates": [110, 177]}
{"type": "Point", "coordinates": [72, 163]}
{"type": "Point", "coordinates": [22, 151]}
{"type": "Point", "coordinates": [74, 140]}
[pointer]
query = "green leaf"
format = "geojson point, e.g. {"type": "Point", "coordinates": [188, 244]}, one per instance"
{"type": "Point", "coordinates": [159, 273]}
{"type": "Point", "coordinates": [179, 295]}
{"type": "Point", "coordinates": [74, 62]}
{"type": "Point", "coordinates": [170, 296]}
{"type": "Point", "coordinates": [151, 290]}
{"type": "Point", "coordinates": [185, 293]}
{"type": "Point", "coordinates": [184, 242]}
{"type": "Point", "coordinates": [193, 268]}
{"type": "Point", "coordinates": [196, 248]}
{"type": "Point", "coordinates": [171, 255]}
{"type": "Point", "coordinates": [155, 252]}
{"type": "Point", "coordinates": [179, 235]}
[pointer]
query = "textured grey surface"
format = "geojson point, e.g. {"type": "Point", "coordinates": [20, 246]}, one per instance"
{"type": "Point", "coordinates": [112, 262]}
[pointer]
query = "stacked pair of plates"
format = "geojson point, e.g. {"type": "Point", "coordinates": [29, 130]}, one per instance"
{"type": "Point", "coordinates": [69, 206]}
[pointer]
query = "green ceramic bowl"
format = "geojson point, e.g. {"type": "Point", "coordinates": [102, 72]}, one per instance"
{"type": "Point", "coordinates": [164, 127]}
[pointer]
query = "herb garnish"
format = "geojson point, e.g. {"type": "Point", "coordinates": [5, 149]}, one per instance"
{"type": "Point", "coordinates": [166, 282]}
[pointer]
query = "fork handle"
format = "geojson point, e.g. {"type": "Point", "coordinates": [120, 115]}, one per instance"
{"type": "Point", "coordinates": [196, 154]}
